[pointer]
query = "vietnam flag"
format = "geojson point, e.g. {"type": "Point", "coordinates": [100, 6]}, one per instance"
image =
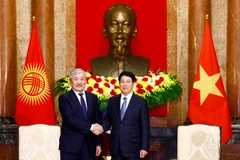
{"type": "Point", "coordinates": [34, 102]}
{"type": "Point", "coordinates": [208, 102]}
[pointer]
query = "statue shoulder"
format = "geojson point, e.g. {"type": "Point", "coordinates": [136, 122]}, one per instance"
{"type": "Point", "coordinates": [141, 59]}
{"type": "Point", "coordinates": [104, 66]}
{"type": "Point", "coordinates": [100, 59]}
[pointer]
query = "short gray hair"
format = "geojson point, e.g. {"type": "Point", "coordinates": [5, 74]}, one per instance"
{"type": "Point", "coordinates": [77, 71]}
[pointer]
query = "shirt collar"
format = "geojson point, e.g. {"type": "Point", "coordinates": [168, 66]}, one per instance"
{"type": "Point", "coordinates": [128, 96]}
{"type": "Point", "coordinates": [77, 93]}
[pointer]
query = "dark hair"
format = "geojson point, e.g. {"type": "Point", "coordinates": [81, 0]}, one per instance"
{"type": "Point", "coordinates": [131, 11]}
{"type": "Point", "coordinates": [129, 74]}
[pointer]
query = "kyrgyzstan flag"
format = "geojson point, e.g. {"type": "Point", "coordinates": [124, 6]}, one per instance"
{"type": "Point", "coordinates": [208, 102]}
{"type": "Point", "coordinates": [34, 101]}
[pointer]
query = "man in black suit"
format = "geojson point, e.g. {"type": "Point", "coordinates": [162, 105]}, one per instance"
{"type": "Point", "coordinates": [127, 116]}
{"type": "Point", "coordinates": [80, 115]}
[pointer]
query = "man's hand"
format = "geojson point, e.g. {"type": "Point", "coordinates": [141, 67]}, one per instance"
{"type": "Point", "coordinates": [143, 153]}
{"type": "Point", "coordinates": [98, 150]}
{"type": "Point", "coordinates": [97, 129]}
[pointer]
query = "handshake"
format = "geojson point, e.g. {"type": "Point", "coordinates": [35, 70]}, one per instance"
{"type": "Point", "coordinates": [97, 129]}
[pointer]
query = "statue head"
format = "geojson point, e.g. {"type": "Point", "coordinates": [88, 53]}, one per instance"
{"type": "Point", "coordinates": [120, 27]}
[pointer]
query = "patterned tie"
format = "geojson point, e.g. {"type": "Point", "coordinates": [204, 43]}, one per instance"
{"type": "Point", "coordinates": [83, 104]}
{"type": "Point", "coordinates": [124, 107]}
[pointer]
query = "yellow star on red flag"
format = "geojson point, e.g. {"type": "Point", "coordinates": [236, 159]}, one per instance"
{"type": "Point", "coordinates": [207, 85]}
{"type": "Point", "coordinates": [208, 102]}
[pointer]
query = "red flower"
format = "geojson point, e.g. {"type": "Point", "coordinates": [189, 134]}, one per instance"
{"type": "Point", "coordinates": [145, 79]}
{"type": "Point", "coordinates": [96, 85]}
{"type": "Point", "coordinates": [149, 88]}
{"type": "Point", "coordinates": [149, 75]}
{"type": "Point", "coordinates": [139, 86]}
{"type": "Point", "coordinates": [116, 87]}
{"type": "Point", "coordinates": [89, 89]}
{"type": "Point", "coordinates": [107, 85]}
{"type": "Point", "coordinates": [93, 76]}
{"type": "Point", "coordinates": [100, 90]}
{"type": "Point", "coordinates": [98, 80]}
{"type": "Point", "coordinates": [140, 91]}
{"type": "Point", "coordinates": [113, 93]}
{"type": "Point", "coordinates": [113, 81]}
{"type": "Point", "coordinates": [159, 81]}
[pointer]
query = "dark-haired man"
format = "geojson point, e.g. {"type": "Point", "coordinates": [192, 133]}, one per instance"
{"type": "Point", "coordinates": [127, 116]}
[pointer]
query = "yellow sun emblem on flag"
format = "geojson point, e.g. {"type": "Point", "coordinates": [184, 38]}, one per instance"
{"type": "Point", "coordinates": [34, 87]}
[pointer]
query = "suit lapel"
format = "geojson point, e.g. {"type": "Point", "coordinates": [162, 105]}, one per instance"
{"type": "Point", "coordinates": [118, 98]}
{"type": "Point", "coordinates": [76, 102]}
{"type": "Point", "coordinates": [74, 99]}
{"type": "Point", "coordinates": [89, 104]}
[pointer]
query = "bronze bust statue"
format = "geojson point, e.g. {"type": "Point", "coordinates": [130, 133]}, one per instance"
{"type": "Point", "coordinates": [119, 27]}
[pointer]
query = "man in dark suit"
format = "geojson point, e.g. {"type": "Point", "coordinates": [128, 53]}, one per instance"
{"type": "Point", "coordinates": [127, 116]}
{"type": "Point", "coordinates": [80, 115]}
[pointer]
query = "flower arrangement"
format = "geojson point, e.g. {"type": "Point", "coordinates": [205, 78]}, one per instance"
{"type": "Point", "coordinates": [157, 87]}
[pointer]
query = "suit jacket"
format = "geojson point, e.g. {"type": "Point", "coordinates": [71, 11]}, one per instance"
{"type": "Point", "coordinates": [132, 133]}
{"type": "Point", "coordinates": [74, 126]}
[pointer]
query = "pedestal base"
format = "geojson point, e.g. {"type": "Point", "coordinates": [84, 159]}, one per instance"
{"type": "Point", "coordinates": [8, 138]}
{"type": "Point", "coordinates": [8, 131]}
{"type": "Point", "coordinates": [163, 137]}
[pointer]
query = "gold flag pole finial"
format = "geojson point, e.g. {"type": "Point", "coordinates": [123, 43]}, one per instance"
{"type": "Point", "coordinates": [206, 16]}
{"type": "Point", "coordinates": [33, 18]}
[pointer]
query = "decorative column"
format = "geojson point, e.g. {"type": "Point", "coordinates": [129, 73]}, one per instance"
{"type": "Point", "coordinates": [44, 12]}
{"type": "Point", "coordinates": [70, 35]}
{"type": "Point", "coordinates": [177, 57]}
{"type": "Point", "coordinates": [197, 21]}
{"type": "Point", "coordinates": [233, 54]}
{"type": "Point", "coordinates": [8, 83]}
{"type": "Point", "coordinates": [65, 42]}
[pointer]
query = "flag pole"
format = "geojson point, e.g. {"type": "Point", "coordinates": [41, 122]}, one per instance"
{"type": "Point", "coordinates": [33, 18]}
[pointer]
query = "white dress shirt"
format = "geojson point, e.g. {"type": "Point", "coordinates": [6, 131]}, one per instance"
{"type": "Point", "coordinates": [129, 96]}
